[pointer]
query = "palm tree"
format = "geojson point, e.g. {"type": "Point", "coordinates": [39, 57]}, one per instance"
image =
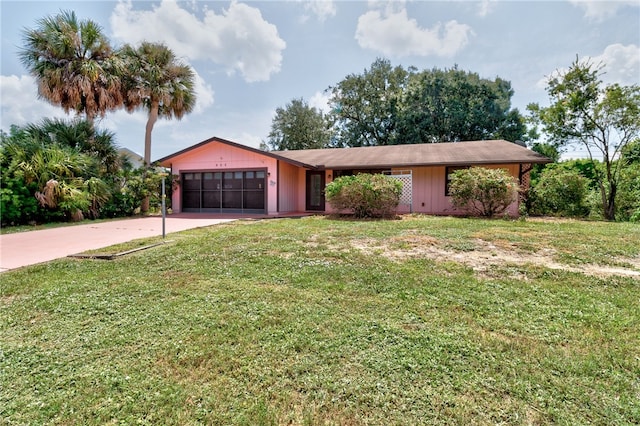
{"type": "Point", "coordinates": [155, 80]}
{"type": "Point", "coordinates": [74, 65]}
{"type": "Point", "coordinates": [67, 165]}
{"type": "Point", "coordinates": [57, 172]}
{"type": "Point", "coordinates": [82, 136]}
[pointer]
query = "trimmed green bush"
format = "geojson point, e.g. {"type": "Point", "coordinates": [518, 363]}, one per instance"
{"type": "Point", "coordinates": [483, 192]}
{"type": "Point", "coordinates": [365, 194]}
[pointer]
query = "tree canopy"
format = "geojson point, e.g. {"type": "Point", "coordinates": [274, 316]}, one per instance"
{"type": "Point", "coordinates": [73, 168]}
{"type": "Point", "coordinates": [74, 65]}
{"type": "Point", "coordinates": [156, 81]}
{"type": "Point", "coordinates": [604, 119]}
{"type": "Point", "coordinates": [454, 105]}
{"type": "Point", "coordinates": [366, 107]}
{"type": "Point", "coordinates": [298, 126]}
{"type": "Point", "coordinates": [77, 69]}
{"type": "Point", "coordinates": [389, 105]}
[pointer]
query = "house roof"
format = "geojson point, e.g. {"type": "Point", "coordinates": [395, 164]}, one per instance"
{"type": "Point", "coordinates": [166, 161]}
{"type": "Point", "coordinates": [432, 154]}
{"type": "Point", "coordinates": [135, 158]}
{"type": "Point", "coordinates": [372, 157]}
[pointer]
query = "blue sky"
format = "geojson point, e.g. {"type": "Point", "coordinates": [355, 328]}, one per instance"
{"type": "Point", "coordinates": [252, 57]}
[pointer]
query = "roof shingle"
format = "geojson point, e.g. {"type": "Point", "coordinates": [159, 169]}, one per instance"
{"type": "Point", "coordinates": [385, 157]}
{"type": "Point", "coordinates": [436, 154]}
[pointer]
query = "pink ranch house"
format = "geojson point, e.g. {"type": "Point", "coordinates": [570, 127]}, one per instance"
{"type": "Point", "coordinates": [220, 176]}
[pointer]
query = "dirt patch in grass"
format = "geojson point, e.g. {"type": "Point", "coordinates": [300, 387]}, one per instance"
{"type": "Point", "coordinates": [8, 300]}
{"type": "Point", "coordinates": [483, 255]}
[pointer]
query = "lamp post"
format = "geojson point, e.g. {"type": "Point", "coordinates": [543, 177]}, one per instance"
{"type": "Point", "coordinates": [164, 205]}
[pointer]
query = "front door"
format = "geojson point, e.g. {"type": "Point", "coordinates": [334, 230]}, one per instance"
{"type": "Point", "coordinates": [315, 190]}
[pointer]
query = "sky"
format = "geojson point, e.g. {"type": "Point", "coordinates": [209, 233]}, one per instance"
{"type": "Point", "coordinates": [252, 57]}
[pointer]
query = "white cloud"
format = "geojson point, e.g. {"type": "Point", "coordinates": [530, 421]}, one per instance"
{"type": "Point", "coordinates": [620, 64]}
{"type": "Point", "coordinates": [239, 38]}
{"type": "Point", "coordinates": [600, 10]}
{"type": "Point", "coordinates": [323, 9]}
{"type": "Point", "coordinates": [20, 102]}
{"type": "Point", "coordinates": [204, 94]}
{"type": "Point", "coordinates": [393, 33]}
{"type": "Point", "coordinates": [320, 101]}
{"type": "Point", "coordinates": [247, 139]}
{"type": "Point", "coordinates": [485, 7]}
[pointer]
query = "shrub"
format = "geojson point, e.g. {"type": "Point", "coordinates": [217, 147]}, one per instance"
{"type": "Point", "coordinates": [482, 191]}
{"type": "Point", "coordinates": [17, 203]}
{"type": "Point", "coordinates": [561, 192]}
{"type": "Point", "coordinates": [365, 194]}
{"type": "Point", "coordinates": [628, 195]}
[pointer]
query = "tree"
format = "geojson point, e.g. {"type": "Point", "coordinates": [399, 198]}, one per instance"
{"type": "Point", "coordinates": [57, 173]}
{"type": "Point", "coordinates": [80, 135]}
{"type": "Point", "coordinates": [298, 126]}
{"type": "Point", "coordinates": [156, 81]}
{"type": "Point", "coordinates": [548, 150]}
{"type": "Point", "coordinates": [482, 191]}
{"type": "Point", "coordinates": [17, 203]}
{"type": "Point", "coordinates": [390, 105]}
{"type": "Point", "coordinates": [58, 164]}
{"type": "Point", "coordinates": [631, 152]}
{"type": "Point", "coordinates": [628, 200]}
{"type": "Point", "coordinates": [74, 65]}
{"type": "Point", "coordinates": [56, 170]}
{"type": "Point", "coordinates": [365, 107]}
{"type": "Point", "coordinates": [602, 118]}
{"type": "Point", "coordinates": [454, 105]}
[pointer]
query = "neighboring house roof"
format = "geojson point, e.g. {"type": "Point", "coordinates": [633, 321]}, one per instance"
{"type": "Point", "coordinates": [136, 159]}
{"type": "Point", "coordinates": [428, 154]}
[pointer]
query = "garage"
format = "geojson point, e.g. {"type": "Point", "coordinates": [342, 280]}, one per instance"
{"type": "Point", "coordinates": [228, 191]}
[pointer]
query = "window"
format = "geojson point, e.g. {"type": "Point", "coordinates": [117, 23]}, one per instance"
{"type": "Point", "coordinates": [449, 173]}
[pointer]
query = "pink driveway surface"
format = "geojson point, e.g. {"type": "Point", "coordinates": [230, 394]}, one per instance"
{"type": "Point", "coordinates": [28, 248]}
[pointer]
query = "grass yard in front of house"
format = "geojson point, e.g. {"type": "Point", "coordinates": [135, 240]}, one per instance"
{"type": "Point", "coordinates": [423, 320]}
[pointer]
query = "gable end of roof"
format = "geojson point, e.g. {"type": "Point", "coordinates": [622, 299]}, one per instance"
{"type": "Point", "coordinates": [167, 160]}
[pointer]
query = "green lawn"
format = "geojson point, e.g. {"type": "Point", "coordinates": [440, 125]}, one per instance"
{"type": "Point", "coordinates": [321, 321]}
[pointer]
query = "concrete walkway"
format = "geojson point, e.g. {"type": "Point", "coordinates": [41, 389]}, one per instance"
{"type": "Point", "coordinates": [28, 248]}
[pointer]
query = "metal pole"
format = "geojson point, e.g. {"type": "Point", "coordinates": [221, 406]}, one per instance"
{"type": "Point", "coordinates": [164, 210]}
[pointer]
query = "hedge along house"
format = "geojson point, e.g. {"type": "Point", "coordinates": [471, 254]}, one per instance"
{"type": "Point", "coordinates": [220, 176]}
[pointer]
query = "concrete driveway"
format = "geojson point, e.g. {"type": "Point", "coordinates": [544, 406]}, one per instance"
{"type": "Point", "coordinates": [28, 248]}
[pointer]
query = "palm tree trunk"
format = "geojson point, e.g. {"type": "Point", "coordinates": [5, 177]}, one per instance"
{"type": "Point", "coordinates": [153, 117]}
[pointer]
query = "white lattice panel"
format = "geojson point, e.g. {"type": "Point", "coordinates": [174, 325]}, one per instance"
{"type": "Point", "coordinates": [406, 178]}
